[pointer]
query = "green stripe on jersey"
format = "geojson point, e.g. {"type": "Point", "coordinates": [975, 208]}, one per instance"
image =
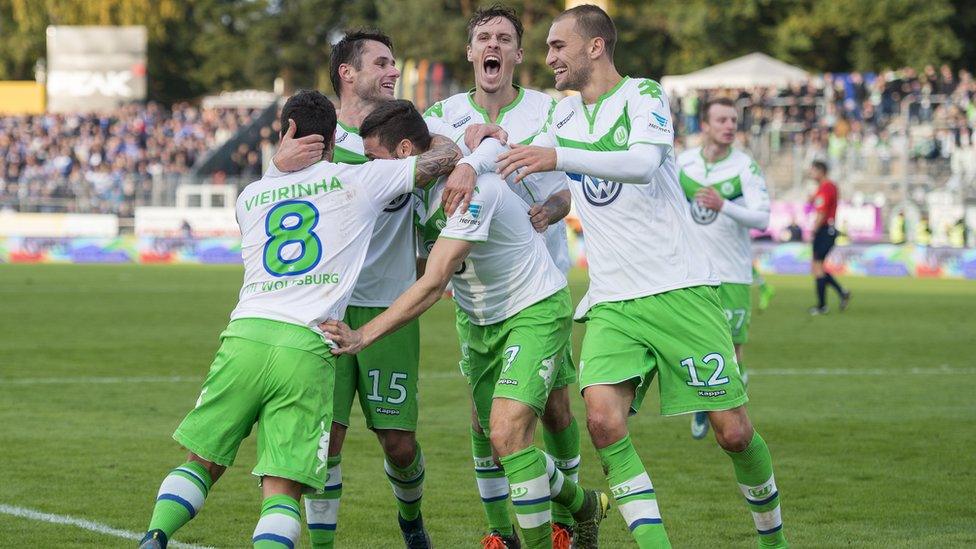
{"type": "Point", "coordinates": [730, 189]}
{"type": "Point", "coordinates": [345, 156]}
{"type": "Point", "coordinates": [615, 139]}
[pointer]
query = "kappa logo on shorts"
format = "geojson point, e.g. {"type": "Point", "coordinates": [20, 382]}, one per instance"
{"type": "Point", "coordinates": [397, 203]}
{"type": "Point", "coordinates": [598, 192]}
{"type": "Point", "coordinates": [504, 381]}
{"type": "Point", "coordinates": [711, 394]}
{"type": "Point", "coordinates": [387, 411]}
{"type": "Point", "coordinates": [548, 367]}
{"type": "Point", "coordinates": [701, 214]}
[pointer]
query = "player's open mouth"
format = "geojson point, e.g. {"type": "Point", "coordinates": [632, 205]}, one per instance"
{"type": "Point", "coordinates": [492, 65]}
{"type": "Point", "coordinates": [388, 85]}
{"type": "Point", "coordinates": [560, 71]}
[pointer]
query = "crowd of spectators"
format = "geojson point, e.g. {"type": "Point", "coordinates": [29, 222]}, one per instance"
{"type": "Point", "coordinates": [847, 119]}
{"type": "Point", "coordinates": [106, 163]}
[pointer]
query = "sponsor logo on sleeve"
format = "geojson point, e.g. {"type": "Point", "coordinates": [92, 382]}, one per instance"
{"type": "Point", "coordinates": [461, 122]}
{"type": "Point", "coordinates": [563, 122]}
{"type": "Point", "coordinates": [659, 123]}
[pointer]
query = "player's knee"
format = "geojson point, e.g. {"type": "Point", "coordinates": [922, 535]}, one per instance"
{"type": "Point", "coordinates": [557, 415]}
{"type": "Point", "coordinates": [734, 437]}
{"type": "Point", "coordinates": [400, 447]}
{"type": "Point", "coordinates": [508, 437]}
{"type": "Point", "coordinates": [215, 470]}
{"type": "Point", "coordinates": [605, 426]}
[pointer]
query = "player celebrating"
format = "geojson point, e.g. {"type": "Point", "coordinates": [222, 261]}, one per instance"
{"type": "Point", "coordinates": [649, 308]}
{"type": "Point", "coordinates": [363, 73]}
{"type": "Point", "coordinates": [519, 311]}
{"type": "Point", "coordinates": [494, 50]}
{"type": "Point", "coordinates": [824, 235]}
{"type": "Point", "coordinates": [727, 196]}
{"type": "Point", "coordinates": [301, 260]}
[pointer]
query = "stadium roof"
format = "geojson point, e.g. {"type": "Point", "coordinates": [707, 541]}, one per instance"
{"type": "Point", "coordinates": [755, 69]}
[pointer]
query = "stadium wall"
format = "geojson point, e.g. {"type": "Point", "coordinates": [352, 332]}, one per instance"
{"type": "Point", "coordinates": [887, 260]}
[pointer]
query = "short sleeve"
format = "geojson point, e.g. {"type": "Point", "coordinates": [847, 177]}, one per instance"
{"type": "Point", "coordinates": [384, 180]}
{"type": "Point", "coordinates": [650, 115]}
{"type": "Point", "coordinates": [754, 189]}
{"type": "Point", "coordinates": [473, 224]}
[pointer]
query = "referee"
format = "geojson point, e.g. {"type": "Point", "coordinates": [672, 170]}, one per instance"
{"type": "Point", "coordinates": [824, 234]}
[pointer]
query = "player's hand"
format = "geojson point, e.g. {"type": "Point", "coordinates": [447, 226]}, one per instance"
{"type": "Point", "coordinates": [347, 341]}
{"type": "Point", "coordinates": [709, 198]}
{"type": "Point", "coordinates": [540, 216]}
{"type": "Point", "coordinates": [525, 160]}
{"type": "Point", "coordinates": [295, 154]}
{"type": "Point", "coordinates": [458, 189]}
{"type": "Point", "coordinates": [476, 133]}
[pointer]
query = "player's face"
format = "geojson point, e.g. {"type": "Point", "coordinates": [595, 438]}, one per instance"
{"type": "Point", "coordinates": [378, 74]}
{"type": "Point", "coordinates": [720, 124]}
{"type": "Point", "coordinates": [567, 55]}
{"type": "Point", "coordinates": [374, 150]}
{"type": "Point", "coordinates": [494, 52]}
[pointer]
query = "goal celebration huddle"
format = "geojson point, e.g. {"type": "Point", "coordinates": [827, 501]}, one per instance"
{"type": "Point", "coordinates": [371, 212]}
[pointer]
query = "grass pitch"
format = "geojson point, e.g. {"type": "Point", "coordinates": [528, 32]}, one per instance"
{"type": "Point", "coordinates": [870, 416]}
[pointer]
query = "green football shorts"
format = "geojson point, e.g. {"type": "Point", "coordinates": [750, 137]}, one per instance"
{"type": "Point", "coordinates": [564, 377]}
{"type": "Point", "coordinates": [384, 374]}
{"type": "Point", "coordinates": [737, 302]}
{"type": "Point", "coordinates": [281, 374]}
{"type": "Point", "coordinates": [521, 357]}
{"type": "Point", "coordinates": [681, 336]}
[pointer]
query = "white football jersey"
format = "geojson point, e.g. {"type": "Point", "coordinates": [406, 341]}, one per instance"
{"type": "Point", "coordinates": [522, 119]}
{"type": "Point", "coordinates": [639, 239]}
{"type": "Point", "coordinates": [390, 266]}
{"type": "Point", "coordinates": [304, 237]}
{"type": "Point", "coordinates": [738, 179]}
{"type": "Point", "coordinates": [508, 268]}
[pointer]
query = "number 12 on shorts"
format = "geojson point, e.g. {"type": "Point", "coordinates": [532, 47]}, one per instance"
{"type": "Point", "coordinates": [715, 379]}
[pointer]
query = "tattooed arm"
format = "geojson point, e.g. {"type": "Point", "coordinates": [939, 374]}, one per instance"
{"type": "Point", "coordinates": [440, 159]}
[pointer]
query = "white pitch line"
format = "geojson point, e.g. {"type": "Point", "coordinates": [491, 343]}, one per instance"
{"type": "Point", "coordinates": [943, 369]}
{"type": "Point", "coordinates": [30, 514]}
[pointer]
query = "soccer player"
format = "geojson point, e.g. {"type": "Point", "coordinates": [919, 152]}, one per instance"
{"type": "Point", "coordinates": [304, 239]}
{"type": "Point", "coordinates": [494, 50]}
{"type": "Point", "coordinates": [519, 312]}
{"type": "Point", "coordinates": [727, 196]}
{"type": "Point", "coordinates": [650, 308]}
{"type": "Point", "coordinates": [824, 235]}
{"type": "Point", "coordinates": [363, 72]}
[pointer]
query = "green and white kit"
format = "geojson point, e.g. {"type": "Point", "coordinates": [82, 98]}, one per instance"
{"type": "Point", "coordinates": [515, 298]}
{"type": "Point", "coordinates": [384, 376]}
{"type": "Point", "coordinates": [644, 255]}
{"type": "Point", "coordinates": [304, 239]}
{"type": "Point", "coordinates": [725, 234]}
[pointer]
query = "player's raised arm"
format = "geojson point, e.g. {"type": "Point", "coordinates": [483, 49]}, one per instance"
{"type": "Point", "coordinates": [445, 258]}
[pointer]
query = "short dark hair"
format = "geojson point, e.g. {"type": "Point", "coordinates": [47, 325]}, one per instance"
{"type": "Point", "coordinates": [483, 15]}
{"type": "Point", "coordinates": [394, 121]}
{"type": "Point", "coordinates": [593, 22]}
{"type": "Point", "coordinates": [724, 101]}
{"type": "Point", "coordinates": [820, 165]}
{"type": "Point", "coordinates": [313, 114]}
{"type": "Point", "coordinates": [349, 51]}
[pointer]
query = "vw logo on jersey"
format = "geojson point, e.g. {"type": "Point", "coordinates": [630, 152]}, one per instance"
{"type": "Point", "coordinates": [598, 192]}
{"type": "Point", "coordinates": [701, 214]}
{"type": "Point", "coordinates": [397, 203]}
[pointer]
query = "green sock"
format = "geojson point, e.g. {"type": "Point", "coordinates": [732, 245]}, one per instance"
{"type": "Point", "coordinates": [754, 473]}
{"type": "Point", "coordinates": [322, 509]}
{"type": "Point", "coordinates": [408, 484]}
{"type": "Point", "coordinates": [564, 448]}
{"type": "Point", "coordinates": [632, 489]}
{"type": "Point", "coordinates": [526, 472]}
{"type": "Point", "coordinates": [280, 524]}
{"type": "Point", "coordinates": [181, 495]}
{"type": "Point", "coordinates": [564, 492]}
{"type": "Point", "coordinates": [492, 485]}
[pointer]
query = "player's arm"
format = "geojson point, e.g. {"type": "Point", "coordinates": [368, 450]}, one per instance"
{"type": "Point", "coordinates": [459, 187]}
{"type": "Point", "coordinates": [551, 211]}
{"type": "Point", "coordinates": [754, 214]}
{"type": "Point", "coordinates": [296, 154]}
{"type": "Point", "coordinates": [445, 258]}
{"type": "Point", "coordinates": [440, 159]}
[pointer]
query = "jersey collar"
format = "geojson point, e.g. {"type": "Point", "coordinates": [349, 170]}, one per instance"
{"type": "Point", "coordinates": [591, 117]}
{"type": "Point", "coordinates": [501, 113]}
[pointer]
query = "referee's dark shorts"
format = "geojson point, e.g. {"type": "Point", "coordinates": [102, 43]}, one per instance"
{"type": "Point", "coordinates": [823, 241]}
